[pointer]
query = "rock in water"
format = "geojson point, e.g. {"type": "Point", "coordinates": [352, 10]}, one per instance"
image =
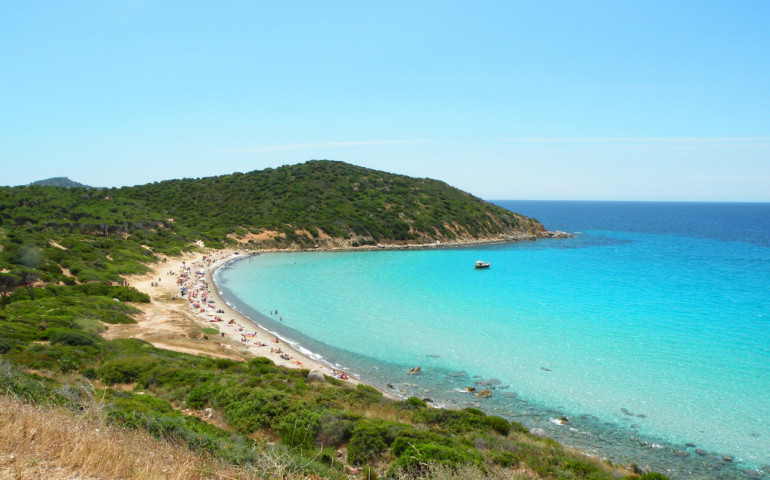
{"type": "Point", "coordinates": [315, 376]}
{"type": "Point", "coordinates": [484, 394]}
{"type": "Point", "coordinates": [414, 371]}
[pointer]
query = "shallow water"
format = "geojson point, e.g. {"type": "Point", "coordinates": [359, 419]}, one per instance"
{"type": "Point", "coordinates": [647, 340]}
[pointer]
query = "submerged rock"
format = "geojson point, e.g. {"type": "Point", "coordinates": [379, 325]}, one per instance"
{"type": "Point", "coordinates": [490, 381]}
{"type": "Point", "coordinates": [414, 371]}
{"type": "Point", "coordinates": [484, 394]}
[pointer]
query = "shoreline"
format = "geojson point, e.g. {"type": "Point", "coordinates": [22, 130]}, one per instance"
{"type": "Point", "coordinates": [239, 336]}
{"type": "Point", "coordinates": [232, 346]}
{"type": "Point", "coordinates": [170, 322]}
{"type": "Point", "coordinates": [573, 433]}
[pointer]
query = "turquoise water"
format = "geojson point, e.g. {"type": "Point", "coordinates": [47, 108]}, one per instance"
{"type": "Point", "coordinates": [647, 341]}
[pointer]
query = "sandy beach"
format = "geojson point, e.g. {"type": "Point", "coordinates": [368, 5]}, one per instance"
{"type": "Point", "coordinates": [174, 321]}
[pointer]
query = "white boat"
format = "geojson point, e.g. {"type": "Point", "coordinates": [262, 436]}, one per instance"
{"type": "Point", "coordinates": [482, 264]}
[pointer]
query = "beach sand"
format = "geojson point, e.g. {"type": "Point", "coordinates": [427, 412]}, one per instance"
{"type": "Point", "coordinates": [172, 322]}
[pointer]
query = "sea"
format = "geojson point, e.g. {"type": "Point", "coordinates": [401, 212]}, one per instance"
{"type": "Point", "coordinates": [648, 331]}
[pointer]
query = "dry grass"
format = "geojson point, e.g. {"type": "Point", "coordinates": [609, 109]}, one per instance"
{"type": "Point", "coordinates": [56, 444]}
{"type": "Point", "coordinates": [387, 411]}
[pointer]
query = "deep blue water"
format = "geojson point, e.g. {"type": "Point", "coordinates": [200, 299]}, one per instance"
{"type": "Point", "coordinates": [650, 329]}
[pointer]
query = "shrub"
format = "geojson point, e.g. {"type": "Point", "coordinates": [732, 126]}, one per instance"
{"type": "Point", "coordinates": [367, 442]}
{"type": "Point", "coordinates": [125, 370]}
{"type": "Point", "coordinates": [200, 396]}
{"type": "Point", "coordinates": [72, 338]}
{"type": "Point", "coordinates": [505, 459]}
{"type": "Point", "coordinates": [366, 394]}
{"type": "Point", "coordinates": [300, 427]}
{"type": "Point", "coordinates": [416, 460]}
{"type": "Point", "coordinates": [225, 363]}
{"type": "Point", "coordinates": [261, 365]}
{"type": "Point", "coordinates": [334, 428]}
{"type": "Point", "coordinates": [413, 403]}
{"type": "Point", "coordinates": [498, 424]}
{"type": "Point", "coordinates": [258, 410]}
{"type": "Point", "coordinates": [461, 421]}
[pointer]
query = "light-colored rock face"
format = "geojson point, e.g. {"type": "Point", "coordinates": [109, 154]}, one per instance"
{"type": "Point", "coordinates": [315, 376]}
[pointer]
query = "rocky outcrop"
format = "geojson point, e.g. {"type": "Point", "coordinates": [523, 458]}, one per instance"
{"type": "Point", "coordinates": [553, 234]}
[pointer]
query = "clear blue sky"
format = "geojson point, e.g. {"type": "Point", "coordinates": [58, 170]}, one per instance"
{"type": "Point", "coordinates": [603, 100]}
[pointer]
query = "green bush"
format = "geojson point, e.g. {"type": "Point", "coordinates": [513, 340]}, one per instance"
{"type": "Point", "coordinates": [498, 424]}
{"type": "Point", "coordinates": [366, 394]}
{"type": "Point", "coordinates": [200, 396]}
{"type": "Point", "coordinates": [367, 442]}
{"type": "Point", "coordinates": [335, 428]}
{"type": "Point", "coordinates": [505, 459]}
{"type": "Point", "coordinates": [72, 338]}
{"type": "Point", "coordinates": [125, 370]}
{"type": "Point", "coordinates": [258, 410]}
{"type": "Point", "coordinates": [462, 421]}
{"type": "Point", "coordinates": [416, 459]}
{"type": "Point", "coordinates": [299, 427]}
{"type": "Point", "coordinates": [413, 403]}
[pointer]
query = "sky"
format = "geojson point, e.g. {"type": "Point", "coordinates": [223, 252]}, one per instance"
{"type": "Point", "coordinates": [542, 100]}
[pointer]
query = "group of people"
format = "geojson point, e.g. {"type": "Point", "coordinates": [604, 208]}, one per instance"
{"type": "Point", "coordinates": [195, 289]}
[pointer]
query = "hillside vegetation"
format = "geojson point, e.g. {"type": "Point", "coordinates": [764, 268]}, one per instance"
{"type": "Point", "coordinates": [59, 182]}
{"type": "Point", "coordinates": [63, 259]}
{"type": "Point", "coordinates": [308, 203]}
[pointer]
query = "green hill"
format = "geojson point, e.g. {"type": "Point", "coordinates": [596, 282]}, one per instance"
{"type": "Point", "coordinates": [317, 203]}
{"type": "Point", "coordinates": [59, 182]}
{"type": "Point", "coordinates": [311, 203]}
